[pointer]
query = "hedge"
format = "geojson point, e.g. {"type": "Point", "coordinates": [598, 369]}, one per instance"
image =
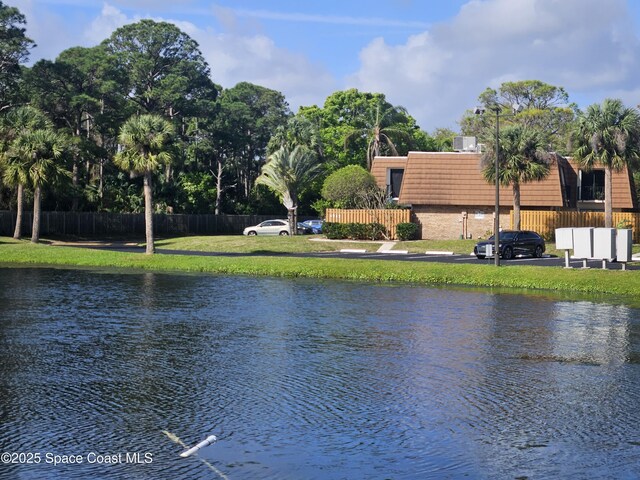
{"type": "Point", "coordinates": [354, 231]}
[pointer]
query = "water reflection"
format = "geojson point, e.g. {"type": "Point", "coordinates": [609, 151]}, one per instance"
{"type": "Point", "coordinates": [302, 379]}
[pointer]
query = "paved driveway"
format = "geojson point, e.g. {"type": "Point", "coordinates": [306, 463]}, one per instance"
{"type": "Point", "coordinates": [546, 261]}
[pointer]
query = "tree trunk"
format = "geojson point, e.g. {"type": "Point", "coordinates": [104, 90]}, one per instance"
{"type": "Point", "coordinates": [35, 229]}
{"type": "Point", "coordinates": [148, 212]}
{"type": "Point", "coordinates": [608, 202]}
{"type": "Point", "coordinates": [291, 219]}
{"type": "Point", "coordinates": [101, 181]}
{"type": "Point", "coordinates": [74, 181]}
{"type": "Point", "coordinates": [516, 206]}
{"type": "Point", "coordinates": [218, 188]}
{"type": "Point", "coordinates": [17, 233]}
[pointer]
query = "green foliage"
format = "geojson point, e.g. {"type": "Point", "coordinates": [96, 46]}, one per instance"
{"type": "Point", "coordinates": [607, 135]}
{"type": "Point", "coordinates": [624, 223]}
{"type": "Point", "coordinates": [14, 50]}
{"type": "Point", "coordinates": [246, 118]}
{"type": "Point", "coordinates": [197, 192]}
{"type": "Point", "coordinates": [321, 205]}
{"type": "Point", "coordinates": [345, 186]}
{"type": "Point", "coordinates": [261, 201]}
{"type": "Point", "coordinates": [407, 231]}
{"type": "Point", "coordinates": [354, 125]}
{"type": "Point", "coordinates": [522, 157]}
{"type": "Point", "coordinates": [443, 139]}
{"type": "Point", "coordinates": [354, 231]}
{"type": "Point", "coordinates": [165, 71]}
{"type": "Point", "coordinates": [546, 109]}
{"type": "Point", "coordinates": [287, 173]}
{"type": "Point", "coordinates": [145, 140]}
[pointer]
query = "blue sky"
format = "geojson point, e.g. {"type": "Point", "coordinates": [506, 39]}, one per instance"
{"type": "Point", "coordinates": [432, 57]}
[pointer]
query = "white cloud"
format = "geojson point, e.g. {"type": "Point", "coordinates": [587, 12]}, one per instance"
{"type": "Point", "coordinates": [328, 19]}
{"type": "Point", "coordinates": [47, 29]}
{"type": "Point", "coordinates": [582, 45]}
{"type": "Point", "coordinates": [236, 57]}
{"type": "Point", "coordinates": [111, 18]}
{"type": "Point", "coordinates": [256, 59]}
{"type": "Point", "coordinates": [102, 27]}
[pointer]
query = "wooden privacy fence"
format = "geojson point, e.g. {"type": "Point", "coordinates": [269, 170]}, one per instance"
{"type": "Point", "coordinates": [390, 218]}
{"type": "Point", "coordinates": [545, 222]}
{"type": "Point", "coordinates": [95, 224]}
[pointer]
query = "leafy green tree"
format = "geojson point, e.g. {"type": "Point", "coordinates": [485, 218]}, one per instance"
{"type": "Point", "coordinates": [248, 117]}
{"type": "Point", "coordinates": [378, 131]}
{"type": "Point", "coordinates": [198, 191]}
{"type": "Point", "coordinates": [80, 92]}
{"type": "Point", "coordinates": [443, 139]}
{"type": "Point", "coordinates": [14, 50]}
{"type": "Point", "coordinates": [522, 159]}
{"type": "Point", "coordinates": [355, 125]}
{"type": "Point", "coordinates": [607, 135]}
{"type": "Point", "coordinates": [40, 151]}
{"type": "Point", "coordinates": [298, 130]}
{"type": "Point", "coordinates": [545, 108]}
{"type": "Point", "coordinates": [145, 140]}
{"type": "Point", "coordinates": [15, 123]}
{"type": "Point", "coordinates": [165, 71]}
{"type": "Point", "coordinates": [287, 173]}
{"type": "Point", "coordinates": [347, 185]}
{"type": "Point", "coordinates": [166, 75]}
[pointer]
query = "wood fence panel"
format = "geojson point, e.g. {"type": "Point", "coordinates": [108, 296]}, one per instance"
{"type": "Point", "coordinates": [545, 222]}
{"type": "Point", "coordinates": [390, 218]}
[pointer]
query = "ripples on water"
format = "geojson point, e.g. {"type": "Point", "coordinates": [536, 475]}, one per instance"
{"type": "Point", "coordinates": [306, 380]}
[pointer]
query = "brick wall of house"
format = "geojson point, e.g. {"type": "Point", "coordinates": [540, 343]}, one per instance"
{"type": "Point", "coordinates": [446, 222]}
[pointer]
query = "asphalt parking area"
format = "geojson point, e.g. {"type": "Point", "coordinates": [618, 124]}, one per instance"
{"type": "Point", "coordinates": [545, 261]}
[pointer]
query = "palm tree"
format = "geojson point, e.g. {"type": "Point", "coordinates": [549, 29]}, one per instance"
{"type": "Point", "coordinates": [145, 141]}
{"type": "Point", "coordinates": [39, 152]}
{"type": "Point", "coordinates": [522, 160]}
{"type": "Point", "coordinates": [377, 134]}
{"type": "Point", "coordinates": [607, 135]}
{"type": "Point", "coordinates": [288, 172]}
{"type": "Point", "coordinates": [17, 122]}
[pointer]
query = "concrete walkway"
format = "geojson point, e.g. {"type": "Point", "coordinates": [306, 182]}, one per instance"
{"type": "Point", "coordinates": [386, 246]}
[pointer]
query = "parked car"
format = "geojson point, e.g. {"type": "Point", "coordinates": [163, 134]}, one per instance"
{"type": "Point", "coordinates": [304, 229]}
{"type": "Point", "coordinates": [512, 243]}
{"type": "Point", "coordinates": [314, 225]}
{"type": "Point", "coordinates": [268, 227]}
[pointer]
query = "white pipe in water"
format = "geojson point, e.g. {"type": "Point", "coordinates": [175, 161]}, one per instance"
{"type": "Point", "coordinates": [206, 442]}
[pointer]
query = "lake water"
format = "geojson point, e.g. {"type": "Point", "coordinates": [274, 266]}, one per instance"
{"type": "Point", "coordinates": [310, 380]}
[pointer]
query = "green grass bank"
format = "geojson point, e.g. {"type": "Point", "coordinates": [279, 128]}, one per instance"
{"type": "Point", "coordinates": [596, 282]}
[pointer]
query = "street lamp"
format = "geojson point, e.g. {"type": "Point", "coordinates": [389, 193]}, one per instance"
{"type": "Point", "coordinates": [516, 108]}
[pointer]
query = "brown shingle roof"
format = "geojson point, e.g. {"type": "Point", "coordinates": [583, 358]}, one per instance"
{"type": "Point", "coordinates": [454, 178]}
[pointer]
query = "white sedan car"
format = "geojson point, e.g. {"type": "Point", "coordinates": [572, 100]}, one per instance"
{"type": "Point", "coordinates": [268, 227]}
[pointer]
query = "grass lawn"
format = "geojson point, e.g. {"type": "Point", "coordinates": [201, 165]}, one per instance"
{"type": "Point", "coordinates": [263, 244]}
{"type": "Point", "coordinates": [597, 284]}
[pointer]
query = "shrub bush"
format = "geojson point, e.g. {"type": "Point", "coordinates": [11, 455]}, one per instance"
{"type": "Point", "coordinates": [407, 231]}
{"type": "Point", "coordinates": [344, 186]}
{"type": "Point", "coordinates": [354, 231]}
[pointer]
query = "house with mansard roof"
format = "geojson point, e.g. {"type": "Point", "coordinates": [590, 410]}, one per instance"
{"type": "Point", "coordinates": [450, 198]}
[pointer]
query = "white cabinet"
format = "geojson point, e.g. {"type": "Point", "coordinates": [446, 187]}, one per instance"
{"type": "Point", "coordinates": [583, 242]}
{"type": "Point", "coordinates": [604, 244]}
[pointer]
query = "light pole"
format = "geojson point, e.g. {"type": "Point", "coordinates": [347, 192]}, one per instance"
{"type": "Point", "coordinates": [496, 221]}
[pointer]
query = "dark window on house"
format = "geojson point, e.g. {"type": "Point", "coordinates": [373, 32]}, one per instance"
{"type": "Point", "coordinates": [592, 185]}
{"type": "Point", "coordinates": [395, 181]}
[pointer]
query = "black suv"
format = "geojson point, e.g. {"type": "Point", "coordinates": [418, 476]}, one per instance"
{"type": "Point", "coordinates": [512, 243]}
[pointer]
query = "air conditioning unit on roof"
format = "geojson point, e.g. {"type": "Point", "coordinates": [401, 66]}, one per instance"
{"type": "Point", "coordinates": [465, 144]}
